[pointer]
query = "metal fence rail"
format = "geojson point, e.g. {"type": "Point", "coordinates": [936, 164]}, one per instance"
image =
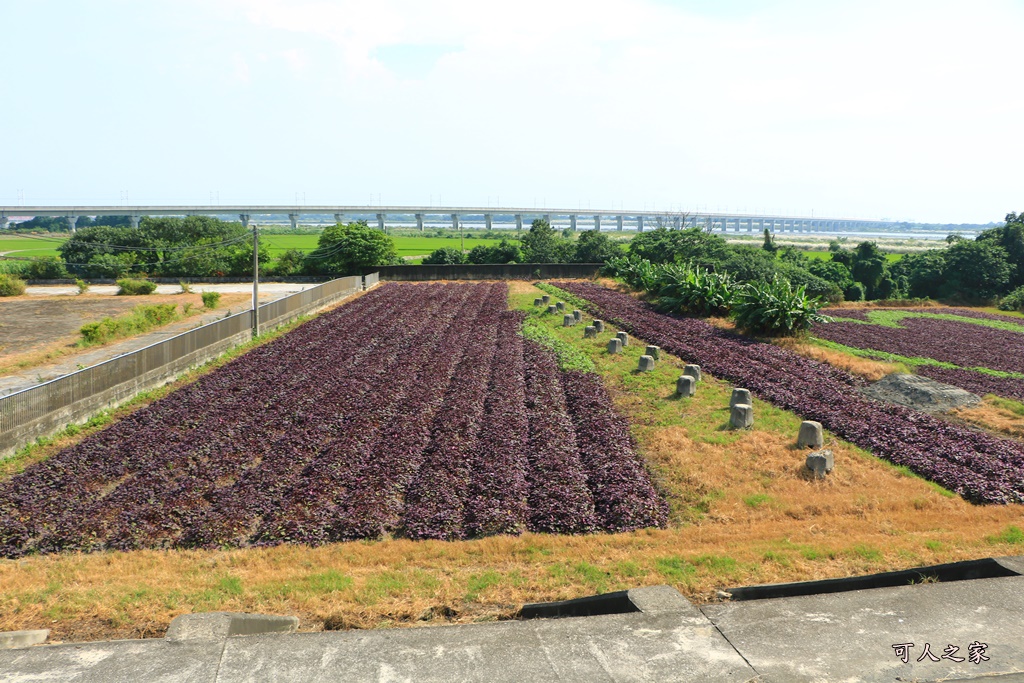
{"type": "Point", "coordinates": [39, 410]}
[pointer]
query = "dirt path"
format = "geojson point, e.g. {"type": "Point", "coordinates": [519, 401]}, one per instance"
{"type": "Point", "coordinates": [32, 327]}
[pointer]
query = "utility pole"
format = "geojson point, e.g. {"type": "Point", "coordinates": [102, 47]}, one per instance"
{"type": "Point", "coordinates": [255, 273]}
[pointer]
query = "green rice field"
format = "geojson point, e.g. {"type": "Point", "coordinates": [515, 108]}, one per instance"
{"type": "Point", "coordinates": [827, 256]}
{"type": "Point", "coordinates": [30, 246]}
{"type": "Point", "coordinates": [406, 246]}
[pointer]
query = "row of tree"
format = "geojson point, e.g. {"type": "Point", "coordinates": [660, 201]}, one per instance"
{"type": "Point", "coordinates": [541, 244]}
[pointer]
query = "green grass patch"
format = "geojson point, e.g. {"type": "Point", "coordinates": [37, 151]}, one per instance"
{"type": "Point", "coordinates": [478, 583]}
{"type": "Point", "coordinates": [1012, 535]}
{"type": "Point", "coordinates": [865, 552]}
{"type": "Point", "coordinates": [406, 246]}
{"type": "Point", "coordinates": [569, 357]}
{"type": "Point", "coordinates": [675, 568]}
{"type": "Point", "coordinates": [31, 246]}
{"type": "Point", "coordinates": [934, 546]}
{"type": "Point", "coordinates": [140, 319]}
{"type": "Point", "coordinates": [757, 500]}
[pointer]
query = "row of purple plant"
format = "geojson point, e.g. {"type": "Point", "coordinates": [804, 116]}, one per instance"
{"type": "Point", "coordinates": [862, 313]}
{"type": "Point", "coordinates": [960, 343]}
{"type": "Point", "coordinates": [980, 467]}
{"type": "Point", "coordinates": [415, 410]}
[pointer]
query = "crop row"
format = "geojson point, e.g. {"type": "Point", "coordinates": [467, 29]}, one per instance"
{"type": "Point", "coordinates": [978, 466]}
{"type": "Point", "coordinates": [961, 343]}
{"type": "Point", "coordinates": [416, 410]}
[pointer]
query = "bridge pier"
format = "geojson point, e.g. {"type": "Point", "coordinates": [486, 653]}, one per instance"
{"type": "Point", "coordinates": [134, 218]}
{"type": "Point", "coordinates": [72, 221]}
{"type": "Point", "coordinates": [547, 219]}
{"type": "Point", "coordinates": [572, 222]}
{"type": "Point", "coordinates": [597, 223]}
{"type": "Point", "coordinates": [639, 223]}
{"type": "Point", "coordinates": [455, 221]}
{"type": "Point", "coordinates": [419, 222]}
{"type": "Point", "coordinates": [519, 221]}
{"type": "Point", "coordinates": [488, 220]}
{"type": "Point", "coordinates": [618, 221]}
{"type": "Point", "coordinates": [294, 218]}
{"type": "Point", "coordinates": [677, 222]}
{"type": "Point", "coordinates": [339, 218]}
{"type": "Point", "coordinates": [244, 217]}
{"type": "Point", "coordinates": [750, 225]}
{"type": "Point", "coordinates": [380, 223]}
{"type": "Point", "coordinates": [4, 220]}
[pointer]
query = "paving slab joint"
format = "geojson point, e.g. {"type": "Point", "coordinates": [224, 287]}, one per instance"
{"type": "Point", "coordinates": [219, 625]}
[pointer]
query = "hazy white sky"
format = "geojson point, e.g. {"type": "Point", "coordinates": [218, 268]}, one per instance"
{"type": "Point", "coordinates": [898, 110]}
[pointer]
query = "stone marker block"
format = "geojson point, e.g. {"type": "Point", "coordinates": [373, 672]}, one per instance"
{"type": "Point", "coordinates": [615, 345]}
{"type": "Point", "coordinates": [568, 320]}
{"type": "Point", "coordinates": [740, 396]}
{"type": "Point", "coordinates": [742, 416]}
{"type": "Point", "coordinates": [693, 371]}
{"type": "Point", "coordinates": [552, 309]}
{"type": "Point", "coordinates": [589, 332]}
{"type": "Point", "coordinates": [821, 463]}
{"type": "Point", "coordinates": [810, 435]}
{"type": "Point", "coordinates": [578, 315]}
{"type": "Point", "coordinates": [218, 625]}
{"type": "Point", "coordinates": [12, 640]}
{"type": "Point", "coordinates": [623, 337]}
{"type": "Point", "coordinates": [686, 386]}
{"type": "Point", "coordinates": [560, 305]}
{"type": "Point", "coordinates": [646, 364]}
{"type": "Point", "coordinates": [546, 299]}
{"type": "Point", "coordinates": [653, 351]}
{"type": "Point", "coordinates": [599, 324]}
{"type": "Point", "coordinates": [537, 302]}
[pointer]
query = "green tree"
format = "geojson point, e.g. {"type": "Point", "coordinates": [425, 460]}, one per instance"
{"type": "Point", "coordinates": [445, 256]}
{"type": "Point", "coordinates": [347, 249]}
{"type": "Point", "coordinates": [1011, 238]}
{"type": "Point", "coordinates": [833, 272]}
{"type": "Point", "coordinates": [769, 242]}
{"type": "Point", "coordinates": [976, 270]}
{"type": "Point", "coordinates": [925, 272]}
{"type": "Point", "coordinates": [543, 244]}
{"type": "Point", "coordinates": [868, 267]}
{"type": "Point", "coordinates": [289, 262]}
{"type": "Point", "coordinates": [691, 245]}
{"type": "Point", "coordinates": [593, 246]}
{"type": "Point", "coordinates": [504, 251]}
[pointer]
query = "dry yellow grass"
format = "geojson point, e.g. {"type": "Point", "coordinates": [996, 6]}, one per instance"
{"type": "Point", "coordinates": [744, 512]}
{"type": "Point", "coordinates": [991, 416]}
{"type": "Point", "coordinates": [865, 367]}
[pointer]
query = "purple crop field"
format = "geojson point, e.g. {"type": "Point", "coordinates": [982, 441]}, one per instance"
{"type": "Point", "coordinates": [980, 467]}
{"type": "Point", "coordinates": [960, 343]}
{"type": "Point", "coordinates": [415, 410]}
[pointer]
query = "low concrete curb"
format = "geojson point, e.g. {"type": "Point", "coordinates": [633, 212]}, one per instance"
{"type": "Point", "coordinates": [10, 640]}
{"type": "Point", "coordinates": [220, 625]}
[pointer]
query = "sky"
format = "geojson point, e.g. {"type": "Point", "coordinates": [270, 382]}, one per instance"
{"type": "Point", "coordinates": [896, 110]}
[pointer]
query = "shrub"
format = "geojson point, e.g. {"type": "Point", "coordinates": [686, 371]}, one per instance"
{"type": "Point", "coordinates": [211, 299]}
{"type": "Point", "coordinates": [186, 288]}
{"type": "Point", "coordinates": [140, 319]}
{"type": "Point", "coordinates": [695, 291]}
{"type": "Point", "coordinates": [775, 309]}
{"type": "Point", "coordinates": [1014, 301]}
{"type": "Point", "coordinates": [46, 268]}
{"type": "Point", "coordinates": [82, 285]}
{"type": "Point", "coordinates": [445, 256]}
{"type": "Point", "coordinates": [855, 292]}
{"type": "Point", "coordinates": [11, 285]}
{"type": "Point", "coordinates": [131, 287]}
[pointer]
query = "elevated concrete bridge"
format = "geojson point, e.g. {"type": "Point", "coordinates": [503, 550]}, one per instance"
{"type": "Point", "coordinates": [621, 219]}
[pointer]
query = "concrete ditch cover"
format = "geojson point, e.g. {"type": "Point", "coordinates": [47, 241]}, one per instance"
{"type": "Point", "coordinates": [920, 393]}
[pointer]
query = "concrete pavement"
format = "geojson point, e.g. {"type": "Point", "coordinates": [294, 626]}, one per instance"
{"type": "Point", "coordinates": [876, 634]}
